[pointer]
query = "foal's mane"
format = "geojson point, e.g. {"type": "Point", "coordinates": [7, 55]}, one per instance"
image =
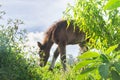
{"type": "Point", "coordinates": [49, 32]}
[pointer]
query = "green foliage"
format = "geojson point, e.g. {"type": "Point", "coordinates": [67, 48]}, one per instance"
{"type": "Point", "coordinates": [117, 66]}
{"type": "Point", "coordinates": [98, 24]}
{"type": "Point", "coordinates": [104, 58]}
{"type": "Point", "coordinates": [83, 64]}
{"type": "Point", "coordinates": [13, 64]}
{"type": "Point", "coordinates": [115, 75]}
{"type": "Point", "coordinates": [109, 50]}
{"type": "Point", "coordinates": [89, 54]}
{"type": "Point", "coordinates": [101, 65]}
{"type": "Point", "coordinates": [104, 70]}
{"type": "Point", "coordinates": [112, 4]}
{"type": "Point", "coordinates": [103, 29]}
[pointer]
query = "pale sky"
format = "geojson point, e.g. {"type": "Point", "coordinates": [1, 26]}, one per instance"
{"type": "Point", "coordinates": [37, 15]}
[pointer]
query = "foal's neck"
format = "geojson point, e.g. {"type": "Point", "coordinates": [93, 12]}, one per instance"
{"type": "Point", "coordinates": [47, 43]}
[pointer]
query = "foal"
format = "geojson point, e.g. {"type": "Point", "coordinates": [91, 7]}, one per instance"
{"type": "Point", "coordinates": [62, 34]}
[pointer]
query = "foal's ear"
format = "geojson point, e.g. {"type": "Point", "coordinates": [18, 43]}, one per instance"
{"type": "Point", "coordinates": [39, 44]}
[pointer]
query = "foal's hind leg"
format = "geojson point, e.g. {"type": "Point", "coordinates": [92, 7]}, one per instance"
{"type": "Point", "coordinates": [62, 50]}
{"type": "Point", "coordinates": [55, 56]}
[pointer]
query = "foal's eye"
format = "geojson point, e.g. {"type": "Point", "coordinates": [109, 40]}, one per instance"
{"type": "Point", "coordinates": [41, 53]}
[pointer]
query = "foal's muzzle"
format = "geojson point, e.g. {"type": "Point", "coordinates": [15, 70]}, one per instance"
{"type": "Point", "coordinates": [42, 64]}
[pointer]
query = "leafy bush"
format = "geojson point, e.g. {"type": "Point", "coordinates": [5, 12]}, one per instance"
{"type": "Point", "coordinates": [100, 65]}
{"type": "Point", "coordinates": [112, 4]}
{"type": "Point", "coordinates": [103, 29]}
{"type": "Point", "coordinates": [98, 24]}
{"type": "Point", "coordinates": [13, 64]}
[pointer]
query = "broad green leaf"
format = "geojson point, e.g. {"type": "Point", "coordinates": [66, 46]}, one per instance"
{"type": "Point", "coordinates": [115, 75]}
{"type": "Point", "coordinates": [117, 66]}
{"type": "Point", "coordinates": [112, 4]}
{"type": "Point", "coordinates": [87, 70]}
{"type": "Point", "coordinates": [118, 57]}
{"type": "Point", "coordinates": [89, 54]}
{"type": "Point", "coordinates": [104, 70]}
{"type": "Point", "coordinates": [81, 77]}
{"type": "Point", "coordinates": [110, 49]}
{"type": "Point", "coordinates": [104, 58]}
{"type": "Point", "coordinates": [84, 77]}
{"type": "Point", "coordinates": [83, 64]}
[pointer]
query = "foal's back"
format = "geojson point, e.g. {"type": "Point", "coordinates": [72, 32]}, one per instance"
{"type": "Point", "coordinates": [61, 32]}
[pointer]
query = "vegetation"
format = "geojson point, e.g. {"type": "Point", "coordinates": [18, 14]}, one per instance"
{"type": "Point", "coordinates": [100, 25]}
{"type": "Point", "coordinates": [103, 29]}
{"type": "Point", "coordinates": [101, 62]}
{"type": "Point", "coordinates": [112, 4]}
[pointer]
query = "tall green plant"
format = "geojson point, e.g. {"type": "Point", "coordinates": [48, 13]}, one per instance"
{"type": "Point", "coordinates": [98, 24]}
{"type": "Point", "coordinates": [99, 65]}
{"type": "Point", "coordinates": [13, 64]}
{"type": "Point", "coordinates": [103, 29]}
{"type": "Point", "coordinates": [112, 4]}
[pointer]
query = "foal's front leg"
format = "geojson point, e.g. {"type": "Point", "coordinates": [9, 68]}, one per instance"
{"type": "Point", "coordinates": [62, 50]}
{"type": "Point", "coordinates": [55, 56]}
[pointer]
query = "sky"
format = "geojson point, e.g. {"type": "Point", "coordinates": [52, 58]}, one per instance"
{"type": "Point", "coordinates": [37, 16]}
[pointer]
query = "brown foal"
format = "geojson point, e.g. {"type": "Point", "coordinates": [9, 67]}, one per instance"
{"type": "Point", "coordinates": [62, 34]}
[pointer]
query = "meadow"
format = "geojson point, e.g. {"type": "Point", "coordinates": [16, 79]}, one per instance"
{"type": "Point", "coordinates": [100, 62]}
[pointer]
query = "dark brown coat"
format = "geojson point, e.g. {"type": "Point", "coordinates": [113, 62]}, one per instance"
{"type": "Point", "coordinates": [62, 34]}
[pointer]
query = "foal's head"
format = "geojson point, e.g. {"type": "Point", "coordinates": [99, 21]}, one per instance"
{"type": "Point", "coordinates": [43, 54]}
